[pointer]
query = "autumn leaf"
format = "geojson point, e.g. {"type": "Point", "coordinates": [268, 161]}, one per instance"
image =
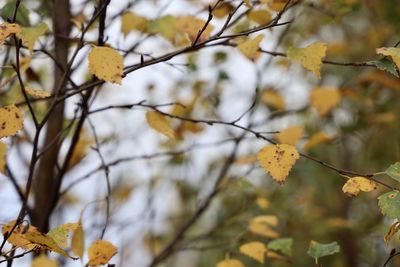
{"type": "Point", "coordinates": [262, 225]}
{"type": "Point", "coordinates": [46, 241]}
{"type": "Point", "coordinates": [273, 99]}
{"type": "Point", "coordinates": [131, 21]}
{"type": "Point", "coordinates": [250, 47]}
{"type": "Point", "coordinates": [230, 263]}
{"type": "Point", "coordinates": [290, 135]}
{"type": "Point", "coordinates": [106, 64]}
{"type": "Point", "coordinates": [324, 99]}
{"type": "Point", "coordinates": [78, 241]}
{"type": "Point", "coordinates": [310, 57]}
{"type": "Point", "coordinates": [315, 139]}
{"type": "Point", "coordinates": [3, 157]}
{"type": "Point", "coordinates": [44, 261]}
{"type": "Point", "coordinates": [165, 26]}
{"type": "Point", "coordinates": [61, 233]}
{"type": "Point", "coordinates": [29, 35]}
{"type": "Point", "coordinates": [37, 92]}
{"type": "Point", "coordinates": [160, 123]}
{"type": "Point", "coordinates": [262, 202]}
{"type": "Point", "coordinates": [17, 237]}
{"type": "Point", "coordinates": [254, 250]}
{"type": "Point", "coordinates": [262, 16]}
{"type": "Point", "coordinates": [394, 228]}
{"type": "Point", "coordinates": [192, 26]}
{"type": "Point", "coordinates": [278, 160]}
{"type": "Point", "coordinates": [11, 120]}
{"type": "Point", "coordinates": [394, 171]}
{"type": "Point", "coordinates": [6, 29]}
{"type": "Point", "coordinates": [393, 52]}
{"type": "Point", "coordinates": [356, 184]}
{"type": "Point", "coordinates": [100, 252]}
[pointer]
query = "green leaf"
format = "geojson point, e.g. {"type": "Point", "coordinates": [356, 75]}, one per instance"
{"type": "Point", "coordinates": [7, 11]}
{"type": "Point", "coordinates": [389, 203]}
{"type": "Point", "coordinates": [282, 244]}
{"type": "Point", "coordinates": [394, 171]}
{"type": "Point", "coordinates": [386, 65]}
{"type": "Point", "coordinates": [317, 250]}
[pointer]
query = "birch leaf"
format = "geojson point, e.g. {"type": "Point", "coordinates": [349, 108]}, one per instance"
{"type": "Point", "coordinates": [389, 203]}
{"type": "Point", "coordinates": [106, 64]}
{"type": "Point", "coordinates": [6, 29]}
{"type": "Point", "coordinates": [310, 57]}
{"type": "Point", "coordinates": [250, 47]}
{"type": "Point", "coordinates": [78, 241]}
{"type": "Point", "coordinates": [160, 123]}
{"type": "Point", "coordinates": [45, 241]}
{"type": "Point", "coordinates": [324, 99]}
{"type": "Point", "coordinates": [254, 250]}
{"type": "Point", "coordinates": [356, 184]}
{"type": "Point", "coordinates": [131, 21]}
{"type": "Point", "coordinates": [394, 171]}
{"type": "Point", "coordinates": [290, 135]}
{"type": "Point", "coordinates": [393, 52]}
{"type": "Point", "coordinates": [100, 252]}
{"type": "Point", "coordinates": [37, 92]}
{"type": "Point", "coordinates": [29, 35]}
{"type": "Point", "coordinates": [394, 228]}
{"type": "Point", "coordinates": [278, 160]}
{"type": "Point", "coordinates": [11, 120]}
{"type": "Point", "coordinates": [44, 261]}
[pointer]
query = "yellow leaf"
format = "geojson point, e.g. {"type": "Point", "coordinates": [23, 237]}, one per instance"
{"type": "Point", "coordinates": [17, 237]}
{"type": "Point", "coordinates": [290, 135]}
{"type": "Point", "coordinates": [44, 261]}
{"type": "Point", "coordinates": [273, 99]}
{"type": "Point", "coordinates": [394, 228]}
{"type": "Point", "coordinates": [29, 35]}
{"type": "Point", "coordinates": [78, 241]}
{"type": "Point", "coordinates": [131, 21]}
{"type": "Point", "coordinates": [60, 234]}
{"type": "Point", "coordinates": [100, 252]}
{"type": "Point", "coordinates": [106, 64]}
{"type": "Point", "coordinates": [356, 184]}
{"type": "Point", "coordinates": [262, 17]}
{"type": "Point", "coordinates": [278, 160]}
{"type": "Point", "coordinates": [262, 202]}
{"type": "Point", "coordinates": [3, 157]}
{"type": "Point", "coordinates": [45, 241]}
{"type": "Point", "coordinates": [250, 47]}
{"type": "Point", "coordinates": [317, 138]}
{"type": "Point", "coordinates": [255, 250]}
{"type": "Point", "coordinates": [36, 92]}
{"type": "Point", "coordinates": [310, 57]}
{"type": "Point", "coordinates": [393, 52]}
{"type": "Point", "coordinates": [11, 120]}
{"type": "Point", "coordinates": [192, 26]}
{"type": "Point", "coordinates": [165, 26]}
{"type": "Point", "coordinates": [230, 263]}
{"type": "Point", "coordinates": [324, 99]}
{"type": "Point", "coordinates": [222, 10]}
{"type": "Point", "coordinates": [261, 225]}
{"type": "Point", "coordinates": [159, 123]}
{"type": "Point", "coordinates": [6, 29]}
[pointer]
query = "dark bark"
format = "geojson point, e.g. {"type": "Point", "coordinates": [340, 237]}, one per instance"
{"type": "Point", "coordinates": [45, 185]}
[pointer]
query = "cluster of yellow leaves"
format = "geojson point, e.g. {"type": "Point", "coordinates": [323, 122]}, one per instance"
{"type": "Point", "coordinates": [278, 160]}
{"type": "Point", "coordinates": [354, 185]}
{"type": "Point", "coordinates": [11, 120]}
{"type": "Point", "coordinates": [180, 30]}
{"type": "Point", "coordinates": [310, 57]}
{"type": "Point", "coordinates": [106, 64]}
{"type": "Point", "coordinates": [250, 47]}
{"type": "Point", "coordinates": [324, 99]}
